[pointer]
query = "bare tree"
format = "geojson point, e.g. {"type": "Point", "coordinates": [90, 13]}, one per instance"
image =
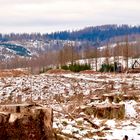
{"type": "Point", "coordinates": [107, 54]}
{"type": "Point", "coordinates": [96, 57]}
{"type": "Point", "coordinates": [126, 51]}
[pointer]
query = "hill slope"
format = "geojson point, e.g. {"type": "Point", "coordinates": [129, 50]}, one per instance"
{"type": "Point", "coordinates": [15, 49]}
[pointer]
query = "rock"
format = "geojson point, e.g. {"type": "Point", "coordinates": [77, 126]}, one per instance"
{"type": "Point", "coordinates": [125, 137]}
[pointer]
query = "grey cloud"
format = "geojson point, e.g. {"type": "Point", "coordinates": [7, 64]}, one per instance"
{"type": "Point", "coordinates": [59, 14]}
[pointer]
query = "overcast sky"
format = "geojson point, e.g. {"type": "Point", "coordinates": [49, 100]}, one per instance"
{"type": "Point", "coordinates": [54, 15]}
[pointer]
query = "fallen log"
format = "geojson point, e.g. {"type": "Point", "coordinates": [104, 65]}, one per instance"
{"type": "Point", "coordinates": [92, 124]}
{"type": "Point", "coordinates": [58, 132]}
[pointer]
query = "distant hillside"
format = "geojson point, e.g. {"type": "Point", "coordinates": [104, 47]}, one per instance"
{"type": "Point", "coordinates": [36, 44]}
{"type": "Point", "coordinates": [16, 49]}
{"type": "Point", "coordinates": [98, 33]}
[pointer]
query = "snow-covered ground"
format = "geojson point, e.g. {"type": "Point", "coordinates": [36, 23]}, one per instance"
{"type": "Point", "coordinates": [69, 94]}
{"type": "Point", "coordinates": [102, 60]}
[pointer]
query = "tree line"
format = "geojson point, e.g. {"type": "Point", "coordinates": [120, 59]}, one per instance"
{"type": "Point", "coordinates": [71, 54]}
{"type": "Point", "coordinates": [94, 34]}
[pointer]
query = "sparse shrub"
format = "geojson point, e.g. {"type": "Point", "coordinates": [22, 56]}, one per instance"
{"type": "Point", "coordinates": [79, 122]}
{"type": "Point", "coordinates": [107, 68]}
{"type": "Point", "coordinates": [77, 67]}
{"type": "Point", "coordinates": [65, 67]}
{"type": "Point", "coordinates": [64, 123]}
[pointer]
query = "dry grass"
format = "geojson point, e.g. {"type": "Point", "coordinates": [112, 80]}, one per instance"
{"type": "Point", "coordinates": [58, 71]}
{"type": "Point", "coordinates": [13, 73]}
{"type": "Point", "coordinates": [89, 72]}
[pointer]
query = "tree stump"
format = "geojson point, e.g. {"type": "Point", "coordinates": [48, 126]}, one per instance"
{"type": "Point", "coordinates": [106, 111]}
{"type": "Point", "coordinates": [30, 123]}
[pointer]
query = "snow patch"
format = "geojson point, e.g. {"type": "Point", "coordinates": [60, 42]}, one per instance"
{"type": "Point", "coordinates": [130, 109]}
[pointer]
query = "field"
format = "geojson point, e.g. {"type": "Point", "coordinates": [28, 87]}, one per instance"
{"type": "Point", "coordinates": [86, 105]}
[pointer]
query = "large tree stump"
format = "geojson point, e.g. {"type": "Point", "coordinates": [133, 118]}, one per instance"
{"type": "Point", "coordinates": [106, 111]}
{"type": "Point", "coordinates": [110, 111]}
{"type": "Point", "coordinates": [26, 123]}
